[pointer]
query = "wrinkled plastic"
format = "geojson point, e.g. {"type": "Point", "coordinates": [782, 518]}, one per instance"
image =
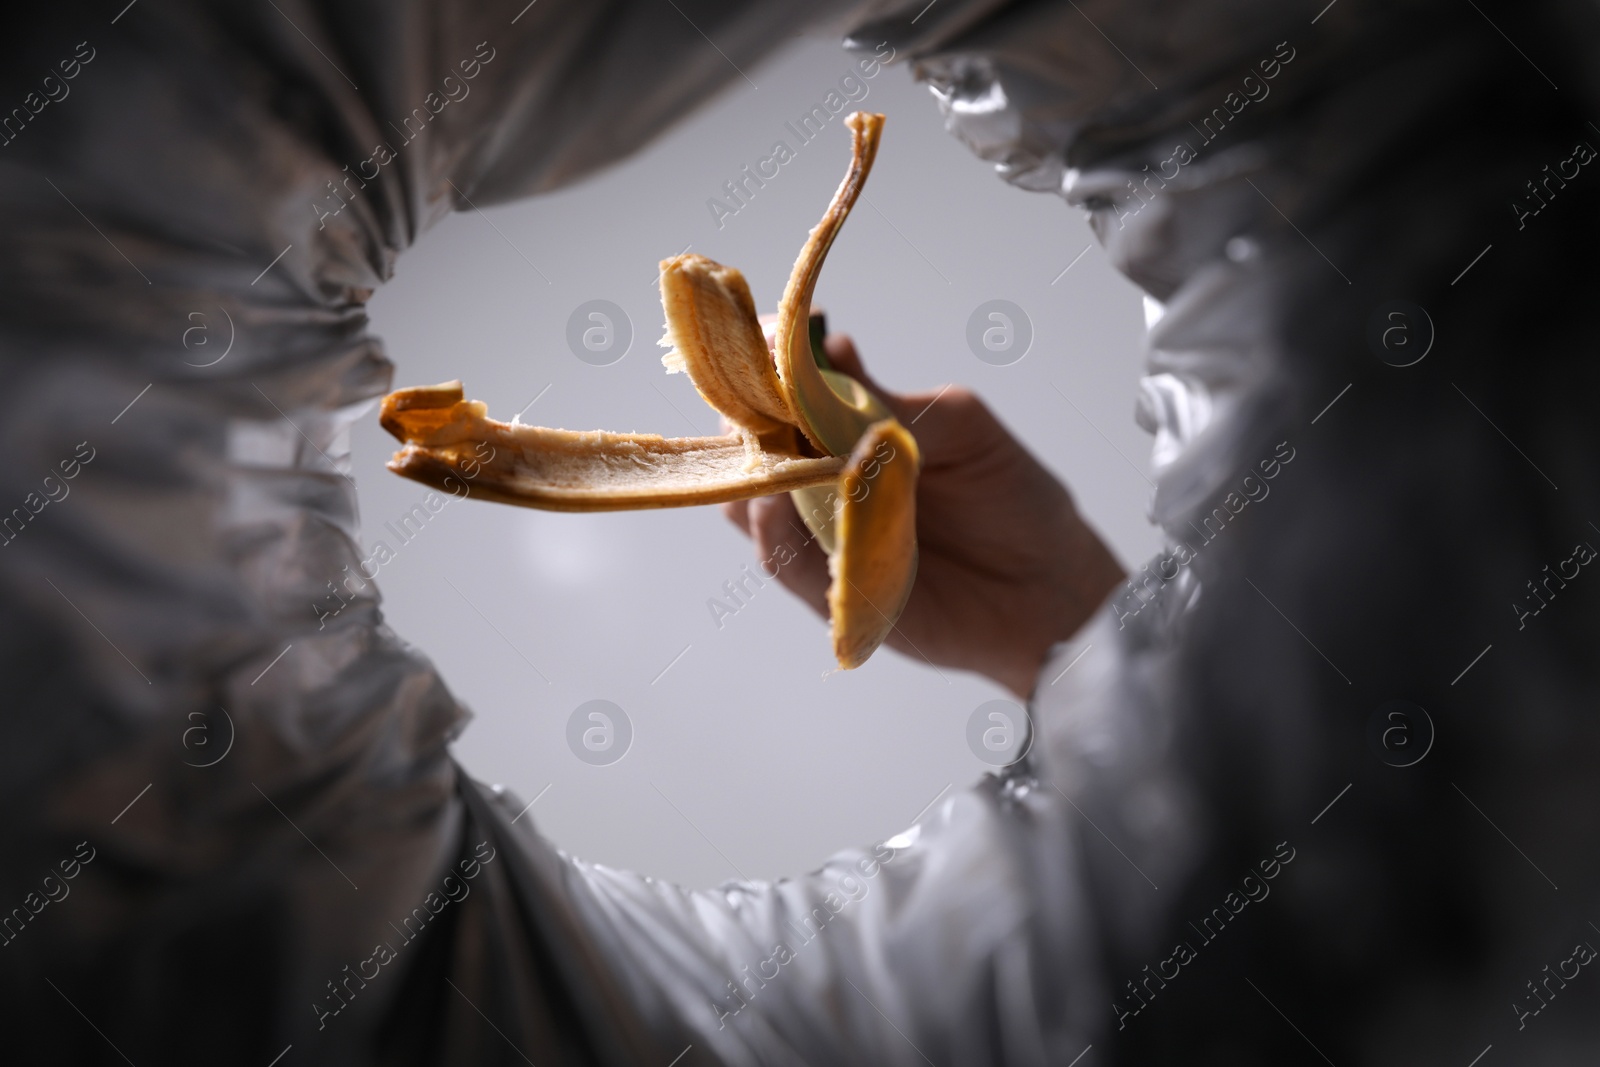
{"type": "Point", "coordinates": [1185, 740]}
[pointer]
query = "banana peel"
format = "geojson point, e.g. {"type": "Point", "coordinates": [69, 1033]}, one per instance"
{"type": "Point", "coordinates": [799, 426]}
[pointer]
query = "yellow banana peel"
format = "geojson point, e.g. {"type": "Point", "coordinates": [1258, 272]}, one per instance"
{"type": "Point", "coordinates": [799, 428]}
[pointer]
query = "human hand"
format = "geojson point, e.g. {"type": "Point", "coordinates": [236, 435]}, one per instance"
{"type": "Point", "coordinates": [1006, 566]}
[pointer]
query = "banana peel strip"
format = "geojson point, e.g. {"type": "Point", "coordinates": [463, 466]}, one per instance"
{"type": "Point", "coordinates": [567, 470]}
{"type": "Point", "coordinates": [798, 428]}
{"type": "Point", "coordinates": [831, 409]}
{"type": "Point", "coordinates": [875, 561]}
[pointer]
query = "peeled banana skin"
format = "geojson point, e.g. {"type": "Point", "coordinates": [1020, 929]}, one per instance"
{"type": "Point", "coordinates": [800, 426]}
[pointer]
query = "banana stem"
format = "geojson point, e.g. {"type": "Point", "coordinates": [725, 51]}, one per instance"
{"type": "Point", "coordinates": [819, 329]}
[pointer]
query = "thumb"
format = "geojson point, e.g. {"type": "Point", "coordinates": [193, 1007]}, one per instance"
{"type": "Point", "coordinates": [842, 354]}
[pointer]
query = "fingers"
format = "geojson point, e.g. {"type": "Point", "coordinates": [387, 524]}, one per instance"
{"type": "Point", "coordinates": [841, 350]}
{"type": "Point", "coordinates": [952, 424]}
{"type": "Point", "coordinates": [787, 549]}
{"type": "Point", "coordinates": [943, 412]}
{"type": "Point", "coordinates": [784, 547]}
{"type": "Point", "coordinates": [738, 513]}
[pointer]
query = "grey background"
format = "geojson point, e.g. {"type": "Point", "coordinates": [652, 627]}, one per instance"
{"type": "Point", "coordinates": [752, 755]}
